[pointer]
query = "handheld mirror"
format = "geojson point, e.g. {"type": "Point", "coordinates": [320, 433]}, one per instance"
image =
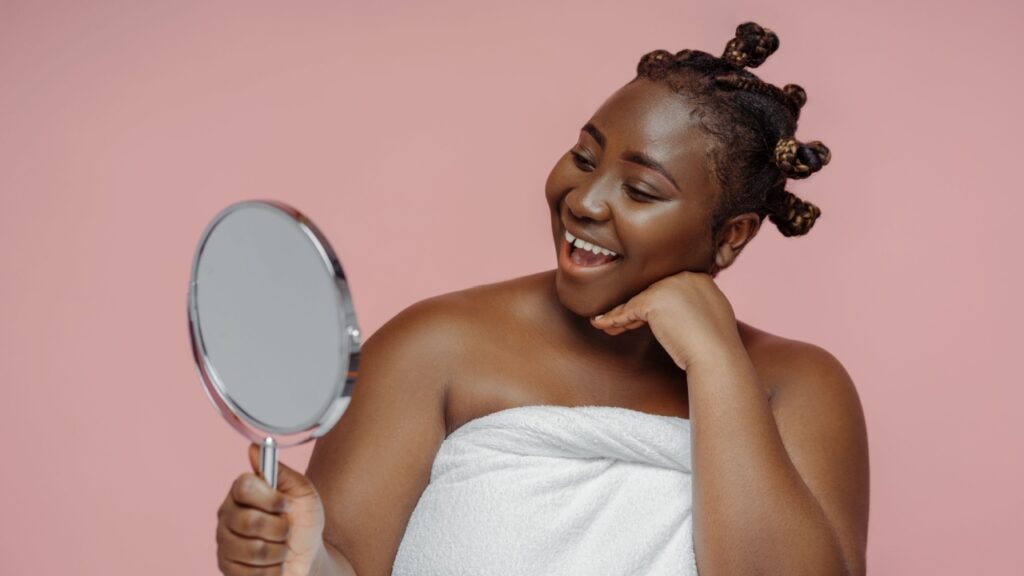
{"type": "Point", "coordinates": [273, 329]}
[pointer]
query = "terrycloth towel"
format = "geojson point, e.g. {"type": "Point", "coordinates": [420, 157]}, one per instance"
{"type": "Point", "coordinates": [549, 490]}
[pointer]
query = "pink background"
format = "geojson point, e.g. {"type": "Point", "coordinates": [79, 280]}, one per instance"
{"type": "Point", "coordinates": [419, 136]}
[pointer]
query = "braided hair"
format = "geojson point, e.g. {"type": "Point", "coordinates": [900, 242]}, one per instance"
{"type": "Point", "coordinates": [752, 123]}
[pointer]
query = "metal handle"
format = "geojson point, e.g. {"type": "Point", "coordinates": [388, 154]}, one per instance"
{"type": "Point", "coordinates": [268, 461]}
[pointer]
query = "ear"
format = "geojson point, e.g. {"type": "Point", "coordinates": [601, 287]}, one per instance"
{"type": "Point", "coordinates": [735, 234]}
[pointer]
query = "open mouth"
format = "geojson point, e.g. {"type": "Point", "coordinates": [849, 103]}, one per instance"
{"type": "Point", "coordinates": [584, 254]}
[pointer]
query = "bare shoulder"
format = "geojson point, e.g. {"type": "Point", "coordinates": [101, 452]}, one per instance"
{"type": "Point", "coordinates": [445, 328]}
{"type": "Point", "coordinates": [789, 364]}
{"type": "Point", "coordinates": [476, 307]}
{"type": "Point", "coordinates": [451, 315]}
{"type": "Point", "coordinates": [808, 382]}
{"type": "Point", "coordinates": [821, 422]}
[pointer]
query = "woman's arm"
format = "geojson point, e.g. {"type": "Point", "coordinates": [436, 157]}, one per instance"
{"type": "Point", "coordinates": [780, 486]}
{"type": "Point", "coordinates": [372, 467]}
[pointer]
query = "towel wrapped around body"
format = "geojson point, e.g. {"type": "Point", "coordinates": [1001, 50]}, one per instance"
{"type": "Point", "coordinates": [556, 490]}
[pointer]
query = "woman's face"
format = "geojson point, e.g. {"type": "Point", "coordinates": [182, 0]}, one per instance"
{"type": "Point", "coordinates": [607, 190]}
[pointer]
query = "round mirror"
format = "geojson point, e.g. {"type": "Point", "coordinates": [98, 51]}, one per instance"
{"type": "Point", "coordinates": [273, 329]}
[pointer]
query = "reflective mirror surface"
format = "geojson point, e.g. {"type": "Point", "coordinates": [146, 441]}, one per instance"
{"type": "Point", "coordinates": [273, 330]}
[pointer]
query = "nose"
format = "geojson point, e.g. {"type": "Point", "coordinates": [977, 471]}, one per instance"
{"type": "Point", "coordinates": [588, 202]}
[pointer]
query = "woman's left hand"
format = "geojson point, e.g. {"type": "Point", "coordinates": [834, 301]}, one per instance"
{"type": "Point", "coordinates": [687, 312]}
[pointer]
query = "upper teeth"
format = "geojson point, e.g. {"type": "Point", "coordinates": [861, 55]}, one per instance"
{"type": "Point", "coordinates": [587, 245]}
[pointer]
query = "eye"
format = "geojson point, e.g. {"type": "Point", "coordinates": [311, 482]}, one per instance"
{"type": "Point", "coordinates": [640, 195]}
{"type": "Point", "coordinates": [581, 161]}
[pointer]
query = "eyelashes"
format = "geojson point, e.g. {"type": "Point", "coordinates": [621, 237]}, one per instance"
{"type": "Point", "coordinates": [583, 164]}
{"type": "Point", "coordinates": [637, 193]}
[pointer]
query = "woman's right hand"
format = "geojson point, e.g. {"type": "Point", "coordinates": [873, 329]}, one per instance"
{"type": "Point", "coordinates": [265, 531]}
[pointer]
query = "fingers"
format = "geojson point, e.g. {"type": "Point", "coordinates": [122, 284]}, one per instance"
{"type": "Point", "coordinates": [254, 457]}
{"type": "Point", "coordinates": [615, 330]}
{"type": "Point", "coordinates": [253, 526]}
{"type": "Point", "coordinates": [254, 523]}
{"type": "Point", "coordinates": [229, 568]}
{"type": "Point", "coordinates": [237, 554]}
{"type": "Point", "coordinates": [249, 540]}
{"type": "Point", "coordinates": [290, 482]}
{"type": "Point", "coordinates": [251, 490]}
{"type": "Point", "coordinates": [618, 320]}
{"type": "Point", "coordinates": [633, 324]}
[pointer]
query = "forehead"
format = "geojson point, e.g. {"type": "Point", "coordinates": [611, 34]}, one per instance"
{"type": "Point", "coordinates": [652, 118]}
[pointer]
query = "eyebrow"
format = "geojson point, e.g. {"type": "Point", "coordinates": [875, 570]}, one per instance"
{"type": "Point", "coordinates": [634, 156]}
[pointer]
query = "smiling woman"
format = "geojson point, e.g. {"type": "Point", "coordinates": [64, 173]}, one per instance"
{"type": "Point", "coordinates": [611, 415]}
{"type": "Point", "coordinates": [600, 192]}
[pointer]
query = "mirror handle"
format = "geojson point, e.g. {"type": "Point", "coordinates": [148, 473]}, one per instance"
{"type": "Point", "coordinates": [268, 461]}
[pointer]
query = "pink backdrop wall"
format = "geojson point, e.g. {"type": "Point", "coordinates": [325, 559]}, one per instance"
{"type": "Point", "coordinates": [410, 131]}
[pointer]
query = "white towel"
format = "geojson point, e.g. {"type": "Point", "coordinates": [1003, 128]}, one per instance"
{"type": "Point", "coordinates": [549, 490]}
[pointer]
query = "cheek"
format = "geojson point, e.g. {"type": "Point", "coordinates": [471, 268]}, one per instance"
{"type": "Point", "coordinates": [668, 243]}
{"type": "Point", "coordinates": [557, 183]}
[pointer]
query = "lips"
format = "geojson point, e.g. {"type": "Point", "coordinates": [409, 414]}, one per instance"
{"type": "Point", "coordinates": [582, 265]}
{"type": "Point", "coordinates": [584, 257]}
{"type": "Point", "coordinates": [602, 246]}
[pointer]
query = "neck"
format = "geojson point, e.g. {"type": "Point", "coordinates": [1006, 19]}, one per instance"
{"type": "Point", "coordinates": [632, 349]}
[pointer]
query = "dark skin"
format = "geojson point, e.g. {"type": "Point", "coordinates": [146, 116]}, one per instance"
{"type": "Point", "coordinates": [779, 441]}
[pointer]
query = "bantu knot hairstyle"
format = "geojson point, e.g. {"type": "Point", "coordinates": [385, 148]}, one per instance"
{"type": "Point", "coordinates": [752, 124]}
{"type": "Point", "coordinates": [751, 46]}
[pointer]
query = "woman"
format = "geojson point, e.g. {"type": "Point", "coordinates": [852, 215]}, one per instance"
{"type": "Point", "coordinates": [629, 346]}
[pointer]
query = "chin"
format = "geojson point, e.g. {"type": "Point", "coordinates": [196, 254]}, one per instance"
{"type": "Point", "coordinates": [578, 301]}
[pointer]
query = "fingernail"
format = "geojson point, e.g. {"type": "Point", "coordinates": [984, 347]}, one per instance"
{"type": "Point", "coordinates": [598, 317]}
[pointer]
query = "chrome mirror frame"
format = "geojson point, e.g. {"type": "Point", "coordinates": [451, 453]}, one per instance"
{"type": "Point", "coordinates": [271, 437]}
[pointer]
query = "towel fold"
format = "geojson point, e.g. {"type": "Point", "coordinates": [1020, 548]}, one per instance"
{"type": "Point", "coordinates": [556, 490]}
